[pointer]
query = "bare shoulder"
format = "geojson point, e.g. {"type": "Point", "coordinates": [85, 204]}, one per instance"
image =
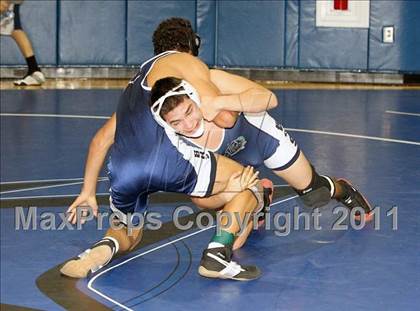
{"type": "Point", "coordinates": [167, 66]}
{"type": "Point", "coordinates": [183, 59]}
{"type": "Point", "coordinates": [183, 66]}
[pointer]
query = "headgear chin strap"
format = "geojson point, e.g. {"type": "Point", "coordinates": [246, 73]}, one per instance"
{"type": "Point", "coordinates": [184, 88]}
{"type": "Point", "coordinates": [199, 131]}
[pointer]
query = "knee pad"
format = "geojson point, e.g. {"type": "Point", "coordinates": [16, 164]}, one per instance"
{"type": "Point", "coordinates": [319, 192]}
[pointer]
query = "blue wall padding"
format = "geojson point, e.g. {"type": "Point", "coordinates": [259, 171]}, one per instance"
{"type": "Point", "coordinates": [259, 40]}
{"type": "Point", "coordinates": [92, 32]}
{"type": "Point", "coordinates": [38, 19]}
{"type": "Point", "coordinates": [330, 48]}
{"type": "Point", "coordinates": [291, 48]}
{"type": "Point", "coordinates": [404, 54]}
{"type": "Point", "coordinates": [144, 17]}
{"type": "Point", "coordinates": [206, 26]}
{"type": "Point", "coordinates": [241, 33]}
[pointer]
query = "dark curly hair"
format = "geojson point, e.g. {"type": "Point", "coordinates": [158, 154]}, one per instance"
{"type": "Point", "coordinates": [175, 34]}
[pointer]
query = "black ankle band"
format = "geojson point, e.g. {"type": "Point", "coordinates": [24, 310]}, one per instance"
{"type": "Point", "coordinates": [111, 242]}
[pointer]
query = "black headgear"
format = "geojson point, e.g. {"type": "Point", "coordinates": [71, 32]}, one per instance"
{"type": "Point", "coordinates": [195, 44]}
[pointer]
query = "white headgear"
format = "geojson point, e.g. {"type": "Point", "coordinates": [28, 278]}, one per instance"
{"type": "Point", "coordinates": [184, 88]}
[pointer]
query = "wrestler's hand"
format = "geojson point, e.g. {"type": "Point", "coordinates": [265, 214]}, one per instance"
{"type": "Point", "coordinates": [249, 178]}
{"type": "Point", "coordinates": [86, 203]}
{"type": "Point", "coordinates": [240, 181]}
{"type": "Point", "coordinates": [213, 113]}
{"type": "Point", "coordinates": [209, 108]}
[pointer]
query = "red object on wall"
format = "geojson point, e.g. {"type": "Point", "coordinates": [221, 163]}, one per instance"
{"type": "Point", "coordinates": [341, 5]}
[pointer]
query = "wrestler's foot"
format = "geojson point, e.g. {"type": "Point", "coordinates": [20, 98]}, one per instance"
{"type": "Point", "coordinates": [352, 198]}
{"type": "Point", "coordinates": [217, 263]}
{"type": "Point", "coordinates": [91, 260]}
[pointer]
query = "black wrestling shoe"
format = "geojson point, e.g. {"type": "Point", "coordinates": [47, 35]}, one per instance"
{"type": "Point", "coordinates": [217, 263]}
{"type": "Point", "coordinates": [353, 198]}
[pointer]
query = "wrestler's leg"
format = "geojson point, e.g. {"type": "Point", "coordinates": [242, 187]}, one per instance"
{"type": "Point", "coordinates": [289, 163]}
{"type": "Point", "coordinates": [118, 240]}
{"type": "Point", "coordinates": [216, 261]}
{"type": "Point", "coordinates": [316, 190]}
{"type": "Point", "coordinates": [239, 208]}
{"type": "Point", "coordinates": [34, 76]}
{"type": "Point", "coordinates": [299, 176]}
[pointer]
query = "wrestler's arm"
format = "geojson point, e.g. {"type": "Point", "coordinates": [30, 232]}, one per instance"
{"type": "Point", "coordinates": [98, 149]}
{"type": "Point", "coordinates": [240, 94]}
{"type": "Point", "coordinates": [198, 74]}
{"type": "Point", "coordinates": [223, 95]}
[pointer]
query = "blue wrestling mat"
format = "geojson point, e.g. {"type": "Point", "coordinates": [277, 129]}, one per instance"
{"type": "Point", "coordinates": [370, 137]}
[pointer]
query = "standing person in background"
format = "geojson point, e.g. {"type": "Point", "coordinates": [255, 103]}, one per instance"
{"type": "Point", "coordinates": [10, 25]}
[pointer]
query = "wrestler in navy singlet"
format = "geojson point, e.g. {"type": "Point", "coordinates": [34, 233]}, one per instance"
{"type": "Point", "coordinates": [144, 159]}
{"type": "Point", "coordinates": [256, 139]}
